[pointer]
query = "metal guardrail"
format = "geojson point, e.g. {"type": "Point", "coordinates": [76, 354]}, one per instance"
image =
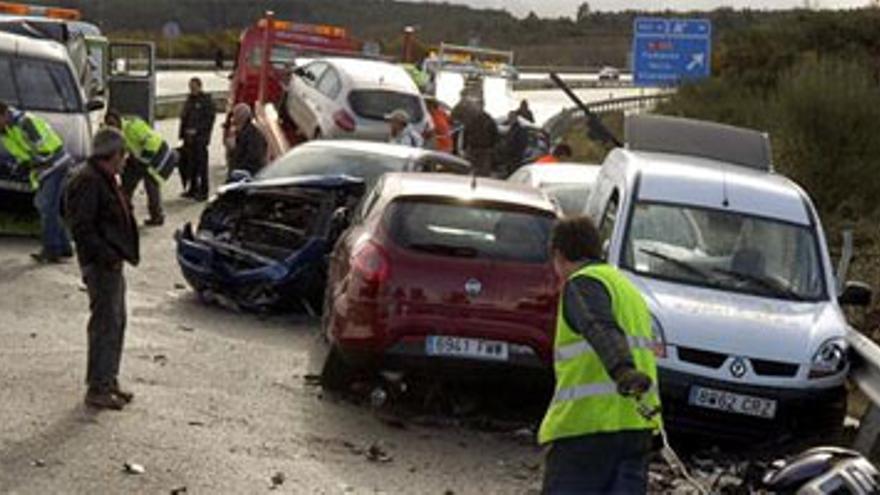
{"type": "Point", "coordinates": [865, 374]}
{"type": "Point", "coordinates": [565, 120]}
{"type": "Point", "coordinates": [170, 106]}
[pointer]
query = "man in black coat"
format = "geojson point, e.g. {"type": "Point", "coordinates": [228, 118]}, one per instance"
{"type": "Point", "coordinates": [102, 224]}
{"type": "Point", "coordinates": [196, 125]}
{"type": "Point", "coordinates": [250, 146]}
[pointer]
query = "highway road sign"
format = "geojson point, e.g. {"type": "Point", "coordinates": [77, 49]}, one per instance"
{"type": "Point", "coordinates": [669, 51]}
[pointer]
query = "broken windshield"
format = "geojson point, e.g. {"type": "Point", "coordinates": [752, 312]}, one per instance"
{"type": "Point", "coordinates": [724, 250]}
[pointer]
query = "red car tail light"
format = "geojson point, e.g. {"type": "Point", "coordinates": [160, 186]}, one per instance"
{"type": "Point", "coordinates": [371, 262]}
{"type": "Point", "coordinates": [344, 121]}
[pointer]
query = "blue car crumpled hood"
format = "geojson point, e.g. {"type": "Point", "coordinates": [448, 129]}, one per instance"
{"type": "Point", "coordinates": [219, 265]}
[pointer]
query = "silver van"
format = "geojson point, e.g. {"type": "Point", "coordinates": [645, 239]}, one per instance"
{"type": "Point", "coordinates": [39, 77]}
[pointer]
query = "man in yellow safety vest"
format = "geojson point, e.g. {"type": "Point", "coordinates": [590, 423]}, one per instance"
{"type": "Point", "coordinates": [28, 144]}
{"type": "Point", "coordinates": [606, 376]}
{"type": "Point", "coordinates": [150, 160]}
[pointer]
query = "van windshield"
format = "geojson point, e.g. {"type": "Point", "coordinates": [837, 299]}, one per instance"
{"type": "Point", "coordinates": [724, 250]}
{"type": "Point", "coordinates": [39, 85]}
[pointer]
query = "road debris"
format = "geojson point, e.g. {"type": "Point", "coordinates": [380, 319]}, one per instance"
{"type": "Point", "coordinates": [160, 359]}
{"type": "Point", "coordinates": [186, 328]}
{"type": "Point", "coordinates": [179, 286]}
{"type": "Point", "coordinates": [38, 463]}
{"type": "Point", "coordinates": [375, 453]}
{"type": "Point", "coordinates": [178, 491]}
{"type": "Point", "coordinates": [196, 423]}
{"type": "Point", "coordinates": [132, 468]}
{"type": "Point", "coordinates": [277, 479]}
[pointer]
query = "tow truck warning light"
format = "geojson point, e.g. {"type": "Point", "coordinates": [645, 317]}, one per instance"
{"type": "Point", "coordinates": [22, 9]}
{"type": "Point", "coordinates": [314, 29]}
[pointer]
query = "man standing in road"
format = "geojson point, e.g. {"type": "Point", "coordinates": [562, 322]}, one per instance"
{"type": "Point", "coordinates": [106, 237]}
{"type": "Point", "coordinates": [402, 131]}
{"type": "Point", "coordinates": [150, 160]}
{"type": "Point", "coordinates": [29, 146]}
{"type": "Point", "coordinates": [480, 138]}
{"type": "Point", "coordinates": [249, 152]}
{"type": "Point", "coordinates": [196, 125]}
{"type": "Point", "coordinates": [598, 439]}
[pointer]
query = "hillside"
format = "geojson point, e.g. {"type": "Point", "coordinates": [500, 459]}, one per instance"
{"type": "Point", "coordinates": [597, 38]}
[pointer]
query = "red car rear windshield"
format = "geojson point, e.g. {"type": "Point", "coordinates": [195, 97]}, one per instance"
{"type": "Point", "coordinates": [469, 230]}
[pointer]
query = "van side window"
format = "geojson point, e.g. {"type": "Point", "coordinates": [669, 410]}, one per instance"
{"type": "Point", "coordinates": [609, 219]}
{"type": "Point", "coordinates": [330, 85]}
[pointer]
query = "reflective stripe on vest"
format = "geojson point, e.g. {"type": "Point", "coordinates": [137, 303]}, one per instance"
{"type": "Point", "coordinates": [586, 400]}
{"type": "Point", "coordinates": [578, 349]}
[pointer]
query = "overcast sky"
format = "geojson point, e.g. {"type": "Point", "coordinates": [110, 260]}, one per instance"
{"type": "Point", "coordinates": [555, 8]}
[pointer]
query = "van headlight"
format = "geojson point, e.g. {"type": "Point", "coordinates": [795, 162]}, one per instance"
{"type": "Point", "coordinates": [830, 359]}
{"type": "Point", "coordinates": [659, 346]}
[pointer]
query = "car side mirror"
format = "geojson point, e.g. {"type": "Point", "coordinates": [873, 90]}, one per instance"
{"type": "Point", "coordinates": [857, 294]}
{"type": "Point", "coordinates": [95, 105]}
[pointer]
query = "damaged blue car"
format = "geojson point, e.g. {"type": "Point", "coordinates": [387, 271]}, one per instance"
{"type": "Point", "coordinates": [263, 243]}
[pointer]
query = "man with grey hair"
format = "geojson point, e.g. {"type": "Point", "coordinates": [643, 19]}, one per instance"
{"type": "Point", "coordinates": [402, 131]}
{"type": "Point", "coordinates": [106, 235]}
{"type": "Point", "coordinates": [249, 153]}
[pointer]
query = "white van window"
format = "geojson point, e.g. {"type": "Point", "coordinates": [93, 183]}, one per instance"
{"type": "Point", "coordinates": [609, 217]}
{"type": "Point", "coordinates": [330, 85]}
{"type": "Point", "coordinates": [724, 250]}
{"type": "Point", "coordinates": [39, 85]}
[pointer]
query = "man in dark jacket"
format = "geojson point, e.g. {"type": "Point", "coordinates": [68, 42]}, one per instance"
{"type": "Point", "coordinates": [196, 125]}
{"type": "Point", "coordinates": [250, 146]}
{"type": "Point", "coordinates": [517, 143]}
{"type": "Point", "coordinates": [100, 218]}
{"type": "Point", "coordinates": [480, 138]}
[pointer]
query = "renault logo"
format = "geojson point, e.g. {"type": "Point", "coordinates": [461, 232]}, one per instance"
{"type": "Point", "coordinates": [738, 367]}
{"type": "Point", "coordinates": [473, 287]}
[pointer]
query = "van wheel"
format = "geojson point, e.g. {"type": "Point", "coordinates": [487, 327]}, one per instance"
{"type": "Point", "coordinates": [336, 374]}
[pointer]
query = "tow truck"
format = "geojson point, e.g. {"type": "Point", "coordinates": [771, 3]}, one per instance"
{"type": "Point", "coordinates": [483, 74]}
{"type": "Point", "coordinates": [260, 76]}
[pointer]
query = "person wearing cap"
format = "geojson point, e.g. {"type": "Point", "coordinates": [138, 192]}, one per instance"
{"type": "Point", "coordinates": [249, 153]}
{"type": "Point", "coordinates": [402, 131]}
{"type": "Point", "coordinates": [30, 146]}
{"type": "Point", "coordinates": [149, 159]}
{"type": "Point", "coordinates": [100, 219]}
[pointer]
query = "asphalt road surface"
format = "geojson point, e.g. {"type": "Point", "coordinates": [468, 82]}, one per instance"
{"type": "Point", "coordinates": [222, 405]}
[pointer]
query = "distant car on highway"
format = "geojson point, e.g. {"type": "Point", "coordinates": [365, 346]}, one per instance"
{"type": "Point", "coordinates": [262, 243]}
{"type": "Point", "coordinates": [608, 73]}
{"type": "Point", "coordinates": [734, 266]}
{"type": "Point", "coordinates": [569, 184]}
{"type": "Point", "coordinates": [347, 98]}
{"type": "Point", "coordinates": [422, 280]}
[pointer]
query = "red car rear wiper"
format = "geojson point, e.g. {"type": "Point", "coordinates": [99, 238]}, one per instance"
{"type": "Point", "coordinates": [445, 249]}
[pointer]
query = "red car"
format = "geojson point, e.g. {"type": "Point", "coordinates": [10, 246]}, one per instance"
{"type": "Point", "coordinates": [444, 272]}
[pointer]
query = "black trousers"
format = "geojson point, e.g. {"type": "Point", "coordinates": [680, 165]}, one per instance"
{"type": "Point", "coordinates": [197, 156]}
{"type": "Point", "coordinates": [601, 463]}
{"type": "Point", "coordinates": [135, 172]}
{"type": "Point", "coordinates": [106, 289]}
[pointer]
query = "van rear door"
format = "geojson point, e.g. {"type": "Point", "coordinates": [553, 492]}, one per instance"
{"type": "Point", "coordinates": [132, 81]}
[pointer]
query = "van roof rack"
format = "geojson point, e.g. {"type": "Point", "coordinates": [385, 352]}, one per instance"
{"type": "Point", "coordinates": [736, 145]}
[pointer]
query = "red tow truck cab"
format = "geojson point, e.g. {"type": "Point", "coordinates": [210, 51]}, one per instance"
{"type": "Point", "coordinates": [260, 76]}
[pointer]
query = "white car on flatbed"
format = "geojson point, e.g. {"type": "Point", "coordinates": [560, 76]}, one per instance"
{"type": "Point", "coordinates": [734, 265]}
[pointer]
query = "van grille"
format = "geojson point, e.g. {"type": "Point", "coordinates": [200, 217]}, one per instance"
{"type": "Point", "coordinates": [774, 368]}
{"type": "Point", "coordinates": [703, 358]}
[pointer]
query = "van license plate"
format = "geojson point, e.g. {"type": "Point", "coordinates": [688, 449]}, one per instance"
{"type": "Point", "coordinates": [490, 350]}
{"type": "Point", "coordinates": [720, 400]}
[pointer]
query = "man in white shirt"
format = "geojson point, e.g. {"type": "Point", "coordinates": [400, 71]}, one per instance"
{"type": "Point", "coordinates": [402, 131]}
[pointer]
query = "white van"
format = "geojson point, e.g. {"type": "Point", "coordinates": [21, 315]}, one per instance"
{"type": "Point", "coordinates": [733, 263]}
{"type": "Point", "coordinates": [38, 76]}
